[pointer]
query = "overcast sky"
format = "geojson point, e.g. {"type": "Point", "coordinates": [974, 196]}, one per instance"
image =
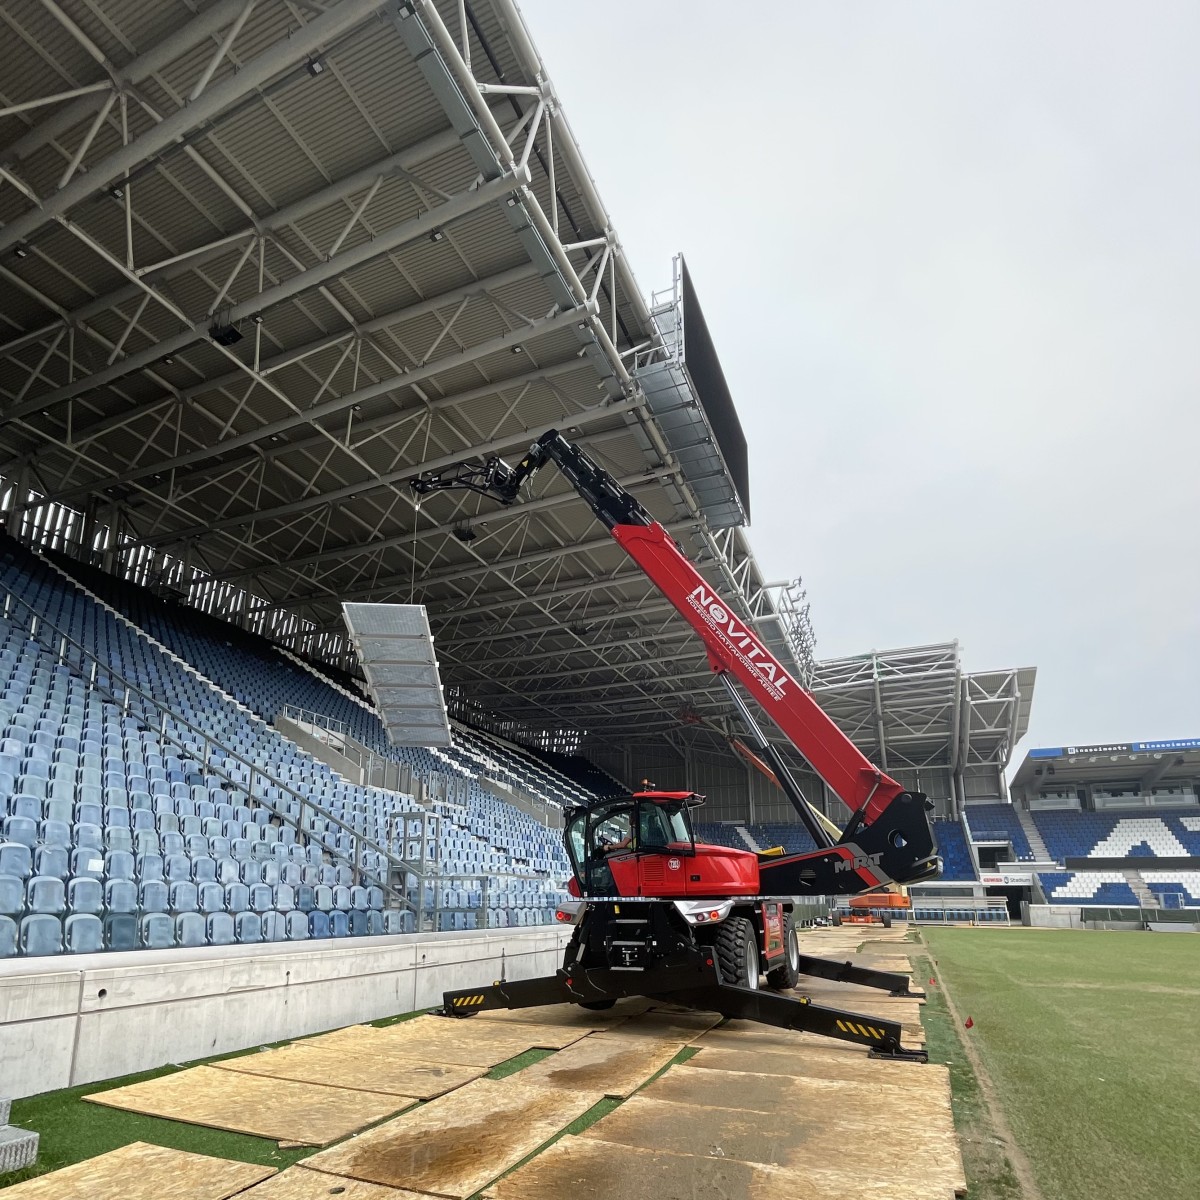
{"type": "Point", "coordinates": [950, 256]}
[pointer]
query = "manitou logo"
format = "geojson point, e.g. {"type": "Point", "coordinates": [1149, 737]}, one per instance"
{"type": "Point", "coordinates": [739, 639]}
{"type": "Point", "coordinates": [858, 862]}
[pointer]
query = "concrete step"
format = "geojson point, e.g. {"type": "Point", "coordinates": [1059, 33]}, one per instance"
{"type": "Point", "coordinates": [1031, 832]}
{"type": "Point", "coordinates": [18, 1148]}
{"type": "Point", "coordinates": [1144, 895]}
{"type": "Point", "coordinates": [748, 838]}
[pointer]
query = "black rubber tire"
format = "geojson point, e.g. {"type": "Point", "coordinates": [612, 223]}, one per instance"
{"type": "Point", "coordinates": [735, 942]}
{"type": "Point", "coordinates": [837, 920]}
{"type": "Point", "coordinates": [785, 976]}
{"type": "Point", "coordinates": [597, 1005]}
{"type": "Point", "coordinates": [887, 920]}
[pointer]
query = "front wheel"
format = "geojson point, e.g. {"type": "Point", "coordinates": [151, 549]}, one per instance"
{"type": "Point", "coordinates": [787, 974]}
{"type": "Point", "coordinates": [737, 952]}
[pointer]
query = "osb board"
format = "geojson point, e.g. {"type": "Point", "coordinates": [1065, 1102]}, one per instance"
{"type": "Point", "coordinates": [351, 1035]}
{"type": "Point", "coordinates": [925, 1090]}
{"type": "Point", "coordinates": [461, 1041]}
{"type": "Point", "coordinates": [597, 1170]}
{"type": "Point", "coordinates": [296, 1183]}
{"type": "Point", "coordinates": [348, 1067]}
{"type": "Point", "coordinates": [468, 1042]}
{"type": "Point", "coordinates": [611, 1065]}
{"type": "Point", "coordinates": [805, 1061]}
{"type": "Point", "coordinates": [833, 1131]}
{"type": "Point", "coordinates": [456, 1144]}
{"type": "Point", "coordinates": [140, 1171]}
{"type": "Point", "coordinates": [306, 1113]}
{"type": "Point", "coordinates": [571, 1015]}
{"type": "Point", "coordinates": [741, 1035]}
{"type": "Point", "coordinates": [860, 999]}
{"type": "Point", "coordinates": [681, 1027]}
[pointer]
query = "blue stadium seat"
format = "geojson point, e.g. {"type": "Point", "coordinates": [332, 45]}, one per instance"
{"type": "Point", "coordinates": [219, 929]}
{"type": "Point", "coordinates": [84, 933]}
{"type": "Point", "coordinates": [85, 895]}
{"type": "Point", "coordinates": [274, 927]}
{"type": "Point", "coordinates": [248, 928]}
{"type": "Point", "coordinates": [12, 896]}
{"type": "Point", "coordinates": [41, 934]}
{"type": "Point", "coordinates": [46, 894]}
{"type": "Point", "coordinates": [157, 931]}
{"type": "Point", "coordinates": [190, 929]}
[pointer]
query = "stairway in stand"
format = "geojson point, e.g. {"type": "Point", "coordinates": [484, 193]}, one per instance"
{"type": "Point", "coordinates": [1036, 844]}
{"type": "Point", "coordinates": [1145, 896]}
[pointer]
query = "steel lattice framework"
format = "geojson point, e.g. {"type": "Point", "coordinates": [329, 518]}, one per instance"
{"type": "Point", "coordinates": [924, 719]}
{"type": "Point", "coordinates": [261, 262]}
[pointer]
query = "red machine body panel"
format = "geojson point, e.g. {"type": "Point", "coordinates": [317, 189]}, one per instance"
{"type": "Point", "coordinates": [709, 871]}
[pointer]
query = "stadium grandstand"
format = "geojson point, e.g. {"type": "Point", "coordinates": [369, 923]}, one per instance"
{"type": "Point", "coordinates": [266, 268]}
{"type": "Point", "coordinates": [1120, 823]}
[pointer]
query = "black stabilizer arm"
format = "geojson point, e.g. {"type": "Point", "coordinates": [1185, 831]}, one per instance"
{"type": "Point", "coordinates": [695, 983]}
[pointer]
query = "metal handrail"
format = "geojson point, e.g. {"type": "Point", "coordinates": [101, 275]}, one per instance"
{"type": "Point", "coordinates": [37, 620]}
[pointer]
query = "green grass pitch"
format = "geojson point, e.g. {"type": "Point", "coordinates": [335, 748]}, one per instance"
{"type": "Point", "coordinates": [1092, 1042]}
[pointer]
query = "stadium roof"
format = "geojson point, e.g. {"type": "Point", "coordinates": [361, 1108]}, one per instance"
{"type": "Point", "coordinates": [1121, 765]}
{"type": "Point", "coordinates": [262, 261]}
{"type": "Point", "coordinates": [915, 708]}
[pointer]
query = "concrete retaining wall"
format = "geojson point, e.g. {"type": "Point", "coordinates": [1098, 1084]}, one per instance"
{"type": "Point", "coordinates": [66, 1021]}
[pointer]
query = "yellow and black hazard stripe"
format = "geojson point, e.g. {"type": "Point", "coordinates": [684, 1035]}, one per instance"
{"type": "Point", "coordinates": [467, 1001]}
{"type": "Point", "coordinates": [864, 1030]}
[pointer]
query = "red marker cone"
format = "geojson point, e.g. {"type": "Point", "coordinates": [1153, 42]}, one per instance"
{"type": "Point", "coordinates": [932, 982]}
{"type": "Point", "coordinates": [968, 1023]}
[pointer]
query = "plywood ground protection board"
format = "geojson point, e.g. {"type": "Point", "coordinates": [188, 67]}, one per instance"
{"type": "Point", "coordinates": [305, 1113]}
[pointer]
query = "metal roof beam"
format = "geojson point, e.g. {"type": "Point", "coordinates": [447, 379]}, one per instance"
{"type": "Point", "coordinates": [591, 619]}
{"type": "Point", "coordinates": [179, 264]}
{"type": "Point", "coordinates": [386, 420]}
{"type": "Point", "coordinates": [496, 446]}
{"type": "Point", "coordinates": [359, 549]}
{"type": "Point", "coordinates": [428, 222]}
{"type": "Point", "coordinates": [305, 40]}
{"type": "Point", "coordinates": [175, 44]}
{"type": "Point", "coordinates": [582, 646]}
{"type": "Point", "coordinates": [659, 687]}
{"type": "Point", "coordinates": [474, 570]}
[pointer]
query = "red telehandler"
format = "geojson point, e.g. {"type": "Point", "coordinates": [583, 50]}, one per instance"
{"type": "Point", "coordinates": [662, 915]}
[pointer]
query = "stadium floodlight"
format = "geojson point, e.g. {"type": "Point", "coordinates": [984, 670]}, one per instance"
{"type": "Point", "coordinates": [395, 648]}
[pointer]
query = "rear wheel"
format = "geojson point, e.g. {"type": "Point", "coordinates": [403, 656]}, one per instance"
{"type": "Point", "coordinates": [787, 974]}
{"type": "Point", "coordinates": [737, 952]}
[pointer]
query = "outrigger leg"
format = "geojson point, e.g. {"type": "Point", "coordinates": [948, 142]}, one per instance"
{"type": "Point", "coordinates": [895, 983]}
{"type": "Point", "coordinates": [694, 984]}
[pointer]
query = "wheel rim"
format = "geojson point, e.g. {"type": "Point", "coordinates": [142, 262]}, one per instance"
{"type": "Point", "coordinates": [793, 950]}
{"type": "Point", "coordinates": [751, 965]}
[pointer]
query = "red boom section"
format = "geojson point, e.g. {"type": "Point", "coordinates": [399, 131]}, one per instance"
{"type": "Point", "coordinates": [733, 647]}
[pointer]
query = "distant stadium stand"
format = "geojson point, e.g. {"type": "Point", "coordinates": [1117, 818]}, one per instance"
{"type": "Point", "coordinates": [957, 864]}
{"type": "Point", "coordinates": [992, 822]}
{"type": "Point", "coordinates": [1092, 887]}
{"type": "Point", "coordinates": [1113, 835]}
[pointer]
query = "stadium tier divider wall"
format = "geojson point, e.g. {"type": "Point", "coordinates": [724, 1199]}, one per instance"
{"type": "Point", "coordinates": [73, 1020]}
